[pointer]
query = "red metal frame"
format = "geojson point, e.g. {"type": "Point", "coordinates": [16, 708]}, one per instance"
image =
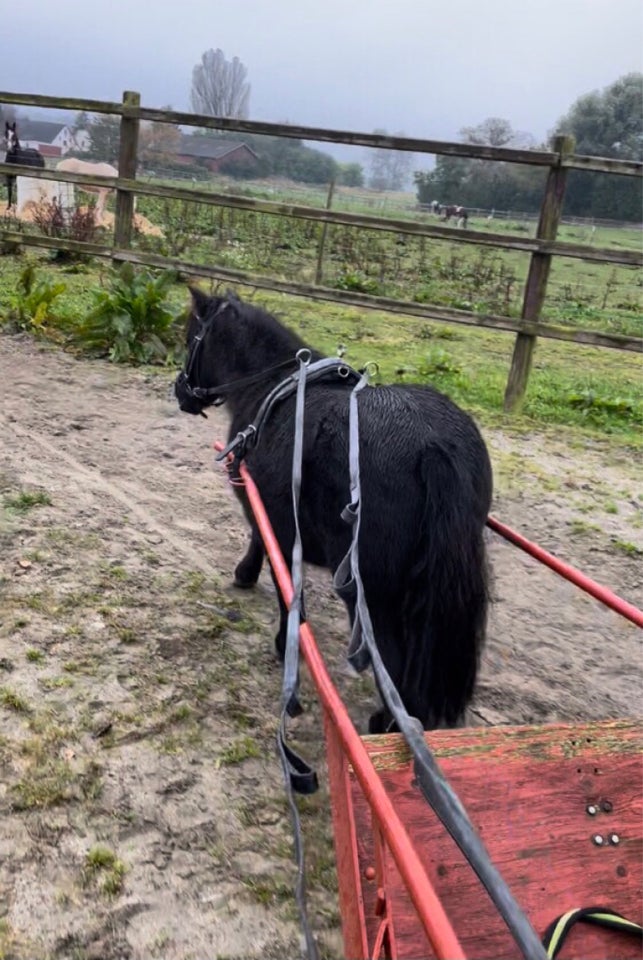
{"type": "Point", "coordinates": [429, 909]}
{"type": "Point", "coordinates": [570, 573]}
{"type": "Point", "coordinates": [344, 746]}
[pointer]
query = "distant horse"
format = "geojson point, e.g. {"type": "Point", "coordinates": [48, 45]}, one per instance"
{"type": "Point", "coordinates": [26, 156]}
{"type": "Point", "coordinates": [73, 165]}
{"type": "Point", "coordinates": [450, 210]}
{"type": "Point", "coordinates": [425, 494]}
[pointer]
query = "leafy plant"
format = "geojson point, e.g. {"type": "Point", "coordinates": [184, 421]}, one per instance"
{"type": "Point", "coordinates": [356, 280]}
{"type": "Point", "coordinates": [30, 304]}
{"type": "Point", "coordinates": [591, 403]}
{"type": "Point", "coordinates": [438, 361]}
{"type": "Point", "coordinates": [131, 322]}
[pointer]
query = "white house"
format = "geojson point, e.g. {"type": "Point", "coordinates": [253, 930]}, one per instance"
{"type": "Point", "coordinates": [52, 139]}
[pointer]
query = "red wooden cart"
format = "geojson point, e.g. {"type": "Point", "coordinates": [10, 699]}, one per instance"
{"type": "Point", "coordinates": [559, 808]}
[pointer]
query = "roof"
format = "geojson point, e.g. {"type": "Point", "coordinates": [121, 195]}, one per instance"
{"type": "Point", "coordinates": [207, 147]}
{"type": "Point", "coordinates": [42, 131]}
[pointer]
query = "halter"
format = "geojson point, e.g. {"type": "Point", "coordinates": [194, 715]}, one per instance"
{"type": "Point", "coordinates": [215, 396]}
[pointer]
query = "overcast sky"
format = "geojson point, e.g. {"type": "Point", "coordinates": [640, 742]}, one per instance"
{"type": "Point", "coordinates": [424, 67]}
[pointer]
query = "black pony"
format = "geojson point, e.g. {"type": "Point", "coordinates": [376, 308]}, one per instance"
{"type": "Point", "coordinates": [425, 491]}
{"type": "Point", "coordinates": [17, 154]}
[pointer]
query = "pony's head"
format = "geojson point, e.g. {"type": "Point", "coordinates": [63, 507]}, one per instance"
{"type": "Point", "coordinates": [10, 136]}
{"type": "Point", "coordinates": [195, 386]}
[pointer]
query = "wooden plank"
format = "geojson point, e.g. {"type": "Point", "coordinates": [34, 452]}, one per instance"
{"type": "Point", "coordinates": [323, 234]}
{"type": "Point", "coordinates": [127, 161]}
{"type": "Point", "coordinates": [437, 147]}
{"type": "Point", "coordinates": [350, 298]}
{"type": "Point", "coordinates": [527, 791]}
{"type": "Point", "coordinates": [627, 168]}
{"type": "Point", "coordinates": [63, 176]}
{"type": "Point", "coordinates": [77, 104]}
{"type": "Point", "coordinates": [377, 141]}
{"type": "Point", "coordinates": [536, 285]}
{"type": "Point", "coordinates": [633, 258]}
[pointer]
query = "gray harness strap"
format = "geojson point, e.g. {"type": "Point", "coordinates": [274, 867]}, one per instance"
{"type": "Point", "coordinates": [298, 775]}
{"type": "Point", "coordinates": [434, 786]}
{"type": "Point", "coordinates": [310, 372]}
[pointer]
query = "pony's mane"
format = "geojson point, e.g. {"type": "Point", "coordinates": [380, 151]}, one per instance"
{"type": "Point", "coordinates": [259, 323]}
{"type": "Point", "coordinates": [251, 324]}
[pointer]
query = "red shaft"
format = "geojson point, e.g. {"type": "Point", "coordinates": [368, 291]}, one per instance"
{"type": "Point", "coordinates": [426, 901]}
{"type": "Point", "coordinates": [570, 573]}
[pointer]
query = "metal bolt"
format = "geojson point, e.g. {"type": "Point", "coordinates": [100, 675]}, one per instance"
{"type": "Point", "coordinates": [615, 839]}
{"type": "Point", "coordinates": [598, 840]}
{"type": "Point", "coordinates": [592, 810]}
{"type": "Point", "coordinates": [606, 806]}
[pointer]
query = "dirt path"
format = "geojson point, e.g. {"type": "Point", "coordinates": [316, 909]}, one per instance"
{"type": "Point", "coordinates": [141, 807]}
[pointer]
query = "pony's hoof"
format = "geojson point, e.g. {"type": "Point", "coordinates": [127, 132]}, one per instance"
{"type": "Point", "coordinates": [243, 584]}
{"type": "Point", "coordinates": [245, 578]}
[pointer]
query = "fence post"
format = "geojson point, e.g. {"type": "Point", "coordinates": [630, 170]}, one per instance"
{"type": "Point", "coordinates": [127, 159]}
{"type": "Point", "coordinates": [324, 231]}
{"type": "Point", "coordinates": [537, 276]}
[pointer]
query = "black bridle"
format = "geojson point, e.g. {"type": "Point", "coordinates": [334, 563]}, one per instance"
{"type": "Point", "coordinates": [215, 396]}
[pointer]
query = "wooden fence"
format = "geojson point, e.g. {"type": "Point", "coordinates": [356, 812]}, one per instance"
{"type": "Point", "coordinates": [542, 248]}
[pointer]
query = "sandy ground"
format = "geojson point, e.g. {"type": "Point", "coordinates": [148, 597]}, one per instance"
{"type": "Point", "coordinates": [141, 807]}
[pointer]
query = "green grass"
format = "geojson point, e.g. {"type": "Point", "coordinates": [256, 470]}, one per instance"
{"type": "Point", "coordinates": [624, 546]}
{"type": "Point", "coordinates": [26, 500]}
{"type": "Point", "coordinates": [13, 701]}
{"type": "Point", "coordinates": [237, 752]}
{"type": "Point", "coordinates": [103, 866]}
{"type": "Point", "coordinates": [594, 389]}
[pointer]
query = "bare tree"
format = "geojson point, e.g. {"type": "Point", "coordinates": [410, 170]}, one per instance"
{"type": "Point", "coordinates": [219, 86]}
{"type": "Point", "coordinates": [389, 169]}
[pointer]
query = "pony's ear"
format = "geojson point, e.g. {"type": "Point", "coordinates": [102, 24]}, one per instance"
{"type": "Point", "coordinates": [200, 301]}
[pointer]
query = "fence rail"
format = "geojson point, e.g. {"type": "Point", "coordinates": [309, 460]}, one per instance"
{"type": "Point", "coordinates": [541, 248]}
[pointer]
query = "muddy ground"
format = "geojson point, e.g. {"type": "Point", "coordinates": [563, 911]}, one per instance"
{"type": "Point", "coordinates": [141, 808]}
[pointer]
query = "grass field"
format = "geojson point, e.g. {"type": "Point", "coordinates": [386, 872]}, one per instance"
{"type": "Point", "coordinates": [588, 387]}
{"type": "Point", "coordinates": [581, 294]}
{"type": "Point", "coordinates": [598, 390]}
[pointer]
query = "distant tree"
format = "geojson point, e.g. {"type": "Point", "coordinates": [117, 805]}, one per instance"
{"type": "Point", "coordinates": [484, 183]}
{"type": "Point", "coordinates": [104, 138]}
{"type": "Point", "coordinates": [496, 132]}
{"type": "Point", "coordinates": [219, 86]}
{"type": "Point", "coordinates": [158, 141]}
{"type": "Point", "coordinates": [351, 174]}
{"type": "Point", "coordinates": [389, 169]}
{"type": "Point", "coordinates": [608, 124]}
{"type": "Point", "coordinates": [82, 121]}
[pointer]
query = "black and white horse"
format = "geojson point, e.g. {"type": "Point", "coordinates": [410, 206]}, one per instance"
{"type": "Point", "coordinates": [24, 156]}
{"type": "Point", "coordinates": [426, 492]}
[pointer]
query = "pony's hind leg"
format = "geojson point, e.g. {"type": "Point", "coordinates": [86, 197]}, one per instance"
{"type": "Point", "coordinates": [248, 569]}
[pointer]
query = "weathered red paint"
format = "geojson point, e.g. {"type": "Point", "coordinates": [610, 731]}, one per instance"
{"type": "Point", "coordinates": [527, 790]}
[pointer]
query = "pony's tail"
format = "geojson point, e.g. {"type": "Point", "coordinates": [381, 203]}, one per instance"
{"type": "Point", "coordinates": [445, 609]}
